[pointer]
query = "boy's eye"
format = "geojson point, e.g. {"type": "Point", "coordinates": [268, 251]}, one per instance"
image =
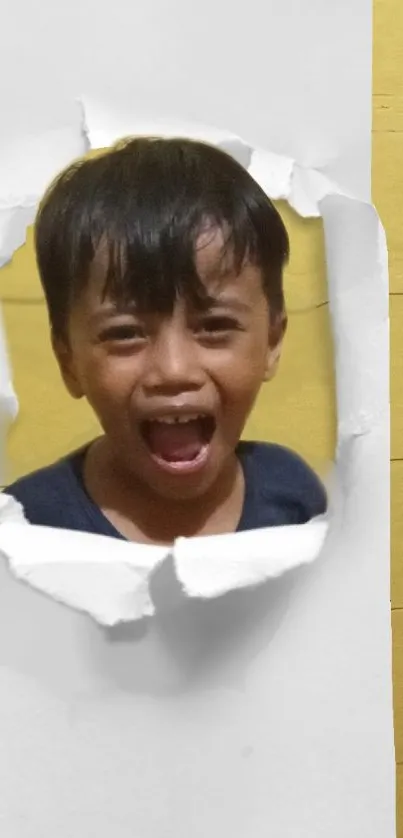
{"type": "Point", "coordinates": [123, 333]}
{"type": "Point", "coordinates": [211, 327]}
{"type": "Point", "coordinates": [218, 325]}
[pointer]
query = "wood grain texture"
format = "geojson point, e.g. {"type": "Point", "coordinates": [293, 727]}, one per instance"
{"type": "Point", "coordinates": [396, 368]}
{"type": "Point", "coordinates": [387, 190]}
{"type": "Point", "coordinates": [397, 628]}
{"type": "Point", "coordinates": [396, 470]}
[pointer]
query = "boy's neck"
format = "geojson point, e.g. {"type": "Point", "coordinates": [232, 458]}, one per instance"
{"type": "Point", "coordinates": [140, 516]}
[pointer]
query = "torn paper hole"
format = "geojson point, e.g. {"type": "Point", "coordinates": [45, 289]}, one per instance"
{"type": "Point", "coordinates": [109, 579]}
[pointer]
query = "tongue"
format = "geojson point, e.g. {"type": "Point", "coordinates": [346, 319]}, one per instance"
{"type": "Point", "coordinates": [174, 443]}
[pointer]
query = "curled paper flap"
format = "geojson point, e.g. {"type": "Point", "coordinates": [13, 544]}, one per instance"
{"type": "Point", "coordinates": [104, 577]}
{"type": "Point", "coordinates": [272, 172]}
{"type": "Point", "coordinates": [110, 579]}
{"type": "Point", "coordinates": [357, 265]}
{"type": "Point", "coordinates": [104, 126]}
{"type": "Point", "coordinates": [11, 511]}
{"type": "Point", "coordinates": [212, 567]}
{"type": "Point", "coordinates": [280, 177]}
{"type": "Point", "coordinates": [8, 398]}
{"type": "Point", "coordinates": [27, 165]}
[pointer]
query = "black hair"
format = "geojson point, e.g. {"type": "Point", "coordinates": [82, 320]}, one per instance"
{"type": "Point", "coordinates": [146, 200]}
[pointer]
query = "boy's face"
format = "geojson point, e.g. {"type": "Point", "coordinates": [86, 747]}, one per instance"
{"type": "Point", "coordinates": [143, 373]}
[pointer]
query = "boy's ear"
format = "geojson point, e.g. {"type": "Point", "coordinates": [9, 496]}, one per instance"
{"type": "Point", "coordinates": [278, 328]}
{"type": "Point", "coordinates": [64, 358]}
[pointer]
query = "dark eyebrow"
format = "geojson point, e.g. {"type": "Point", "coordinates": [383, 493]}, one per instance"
{"type": "Point", "coordinates": [114, 308]}
{"type": "Point", "coordinates": [211, 303]}
{"type": "Point", "coordinates": [207, 304]}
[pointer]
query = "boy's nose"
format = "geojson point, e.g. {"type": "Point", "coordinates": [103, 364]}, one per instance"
{"type": "Point", "coordinates": [173, 363]}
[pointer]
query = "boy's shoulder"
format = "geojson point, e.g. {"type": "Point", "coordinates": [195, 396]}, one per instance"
{"type": "Point", "coordinates": [50, 475]}
{"type": "Point", "coordinates": [50, 494]}
{"type": "Point", "coordinates": [281, 488]}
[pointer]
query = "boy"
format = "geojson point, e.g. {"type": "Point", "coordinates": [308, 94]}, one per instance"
{"type": "Point", "coordinates": [161, 262]}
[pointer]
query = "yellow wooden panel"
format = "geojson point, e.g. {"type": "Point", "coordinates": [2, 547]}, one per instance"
{"type": "Point", "coordinates": [388, 109]}
{"type": "Point", "coordinates": [397, 629]}
{"type": "Point", "coordinates": [387, 48]}
{"type": "Point", "coordinates": [396, 372]}
{"type": "Point", "coordinates": [397, 533]}
{"type": "Point", "coordinates": [19, 279]}
{"type": "Point", "coordinates": [298, 408]}
{"type": "Point", "coordinates": [305, 276]}
{"type": "Point", "coordinates": [387, 139]}
{"type": "Point", "coordinates": [387, 191]}
{"type": "Point", "coordinates": [49, 422]}
{"type": "Point", "coordinates": [387, 184]}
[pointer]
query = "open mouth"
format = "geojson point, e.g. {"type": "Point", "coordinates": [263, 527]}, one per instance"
{"type": "Point", "coordinates": [179, 442]}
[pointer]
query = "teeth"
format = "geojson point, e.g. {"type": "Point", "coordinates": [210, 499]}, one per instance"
{"type": "Point", "coordinates": [173, 420]}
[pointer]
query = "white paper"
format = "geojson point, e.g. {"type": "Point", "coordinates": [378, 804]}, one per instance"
{"type": "Point", "coordinates": [27, 165]}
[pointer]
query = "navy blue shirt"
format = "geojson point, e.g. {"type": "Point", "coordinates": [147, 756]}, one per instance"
{"type": "Point", "coordinates": [280, 489]}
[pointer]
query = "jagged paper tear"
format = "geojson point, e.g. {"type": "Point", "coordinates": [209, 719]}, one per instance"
{"type": "Point", "coordinates": [112, 580]}
{"type": "Point", "coordinates": [27, 165]}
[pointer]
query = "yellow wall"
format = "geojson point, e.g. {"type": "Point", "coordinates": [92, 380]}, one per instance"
{"type": "Point", "coordinates": [387, 191]}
